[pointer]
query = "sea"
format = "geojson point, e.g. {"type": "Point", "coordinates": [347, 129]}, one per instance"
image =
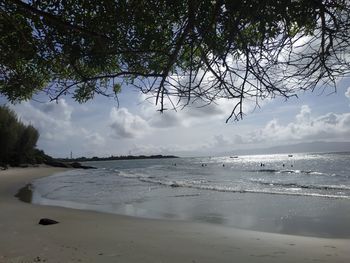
{"type": "Point", "coordinates": [300, 194]}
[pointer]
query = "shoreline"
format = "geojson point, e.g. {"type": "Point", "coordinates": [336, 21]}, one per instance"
{"type": "Point", "coordinates": [87, 236]}
{"type": "Point", "coordinates": [319, 226]}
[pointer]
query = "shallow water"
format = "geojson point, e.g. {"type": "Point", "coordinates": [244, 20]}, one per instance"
{"type": "Point", "coordinates": [306, 194]}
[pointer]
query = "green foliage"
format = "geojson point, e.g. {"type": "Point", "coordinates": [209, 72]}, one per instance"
{"type": "Point", "coordinates": [17, 140]}
{"type": "Point", "coordinates": [243, 48]}
{"type": "Point", "coordinates": [117, 88]}
{"type": "Point", "coordinates": [40, 157]}
{"type": "Point", "coordinates": [9, 127]}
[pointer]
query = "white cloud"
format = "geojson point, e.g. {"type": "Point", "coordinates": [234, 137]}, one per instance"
{"type": "Point", "coordinates": [127, 125]}
{"type": "Point", "coordinates": [347, 93]}
{"type": "Point", "coordinates": [93, 139]}
{"type": "Point", "coordinates": [59, 133]}
{"type": "Point", "coordinates": [53, 120]}
{"type": "Point", "coordinates": [305, 127]}
{"type": "Point", "coordinates": [220, 141]}
{"type": "Point", "coordinates": [148, 149]}
{"type": "Point", "coordinates": [305, 115]}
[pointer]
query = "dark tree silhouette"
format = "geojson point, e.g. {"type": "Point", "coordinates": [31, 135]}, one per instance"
{"type": "Point", "coordinates": [175, 51]}
{"type": "Point", "coordinates": [17, 141]}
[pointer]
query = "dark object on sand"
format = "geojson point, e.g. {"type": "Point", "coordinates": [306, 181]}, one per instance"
{"type": "Point", "coordinates": [3, 167]}
{"type": "Point", "coordinates": [47, 221]}
{"type": "Point", "coordinates": [25, 194]}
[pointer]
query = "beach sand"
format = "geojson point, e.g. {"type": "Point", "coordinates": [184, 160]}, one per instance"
{"type": "Point", "coordinates": [86, 236]}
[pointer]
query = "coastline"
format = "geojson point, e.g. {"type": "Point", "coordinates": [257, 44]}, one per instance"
{"type": "Point", "coordinates": [86, 236]}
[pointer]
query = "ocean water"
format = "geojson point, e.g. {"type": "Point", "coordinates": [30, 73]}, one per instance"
{"type": "Point", "coordinates": [304, 194]}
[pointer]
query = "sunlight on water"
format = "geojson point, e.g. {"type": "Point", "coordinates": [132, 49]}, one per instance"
{"type": "Point", "coordinates": [211, 187]}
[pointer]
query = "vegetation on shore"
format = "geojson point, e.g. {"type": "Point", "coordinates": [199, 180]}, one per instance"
{"type": "Point", "coordinates": [122, 157]}
{"type": "Point", "coordinates": [18, 141]}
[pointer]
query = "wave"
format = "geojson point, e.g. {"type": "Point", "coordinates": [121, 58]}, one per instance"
{"type": "Point", "coordinates": [291, 171]}
{"type": "Point", "coordinates": [202, 185]}
{"type": "Point", "coordinates": [264, 170]}
{"type": "Point", "coordinates": [132, 175]}
{"type": "Point", "coordinates": [279, 171]}
{"type": "Point", "coordinates": [196, 185]}
{"type": "Point", "coordinates": [304, 186]}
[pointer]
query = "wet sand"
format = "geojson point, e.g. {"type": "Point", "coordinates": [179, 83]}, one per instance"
{"type": "Point", "coordinates": [85, 236]}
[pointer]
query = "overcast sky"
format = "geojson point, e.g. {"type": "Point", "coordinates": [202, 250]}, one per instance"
{"type": "Point", "coordinates": [101, 128]}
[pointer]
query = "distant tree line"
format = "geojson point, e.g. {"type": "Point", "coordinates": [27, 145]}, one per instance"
{"type": "Point", "coordinates": [122, 157]}
{"type": "Point", "coordinates": [18, 141]}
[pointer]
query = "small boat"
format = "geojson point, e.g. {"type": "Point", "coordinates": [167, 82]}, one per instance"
{"type": "Point", "coordinates": [233, 156]}
{"type": "Point", "coordinates": [290, 155]}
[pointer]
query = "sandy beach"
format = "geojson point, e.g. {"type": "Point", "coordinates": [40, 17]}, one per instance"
{"type": "Point", "coordinates": [86, 236]}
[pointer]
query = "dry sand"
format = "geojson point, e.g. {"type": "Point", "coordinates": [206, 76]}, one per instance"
{"type": "Point", "coordinates": [85, 236]}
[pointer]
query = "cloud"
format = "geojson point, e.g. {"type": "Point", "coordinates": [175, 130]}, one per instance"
{"type": "Point", "coordinates": [127, 125]}
{"type": "Point", "coordinates": [149, 149]}
{"type": "Point", "coordinates": [61, 110]}
{"type": "Point", "coordinates": [305, 127]}
{"type": "Point", "coordinates": [59, 132]}
{"type": "Point", "coordinates": [195, 113]}
{"type": "Point", "coordinates": [200, 110]}
{"type": "Point", "coordinates": [304, 115]}
{"type": "Point", "coordinates": [190, 115]}
{"type": "Point", "coordinates": [53, 120]}
{"type": "Point", "coordinates": [94, 139]}
{"type": "Point", "coordinates": [220, 141]}
{"type": "Point", "coordinates": [166, 119]}
{"type": "Point", "coordinates": [347, 93]}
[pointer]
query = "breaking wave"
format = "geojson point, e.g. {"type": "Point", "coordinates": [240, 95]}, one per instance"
{"type": "Point", "coordinates": [205, 185]}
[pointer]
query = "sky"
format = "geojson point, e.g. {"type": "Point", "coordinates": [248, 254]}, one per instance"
{"type": "Point", "coordinates": [104, 127]}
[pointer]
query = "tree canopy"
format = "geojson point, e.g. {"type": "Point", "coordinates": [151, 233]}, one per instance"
{"type": "Point", "coordinates": [175, 51]}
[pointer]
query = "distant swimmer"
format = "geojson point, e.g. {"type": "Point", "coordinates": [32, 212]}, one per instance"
{"type": "Point", "coordinates": [223, 165]}
{"type": "Point", "coordinates": [283, 165]}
